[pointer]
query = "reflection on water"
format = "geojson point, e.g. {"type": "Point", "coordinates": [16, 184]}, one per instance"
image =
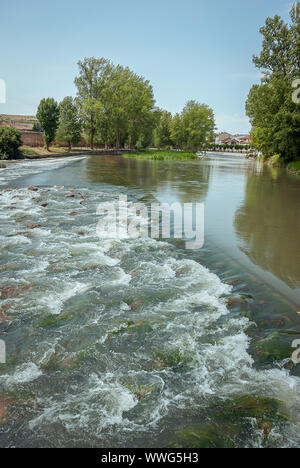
{"type": "Point", "coordinates": [268, 223]}
{"type": "Point", "coordinates": [183, 182]}
{"type": "Point", "coordinates": [251, 211]}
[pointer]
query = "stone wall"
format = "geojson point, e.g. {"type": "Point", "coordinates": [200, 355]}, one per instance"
{"type": "Point", "coordinates": [33, 139]}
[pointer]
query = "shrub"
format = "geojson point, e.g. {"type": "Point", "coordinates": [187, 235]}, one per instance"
{"type": "Point", "coordinates": [10, 141]}
{"type": "Point", "coordinates": [294, 167]}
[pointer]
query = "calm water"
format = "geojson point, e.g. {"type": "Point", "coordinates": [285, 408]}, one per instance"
{"type": "Point", "coordinates": [133, 342]}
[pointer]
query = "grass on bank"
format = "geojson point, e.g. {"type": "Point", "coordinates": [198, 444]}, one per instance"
{"type": "Point", "coordinates": [40, 151]}
{"type": "Point", "coordinates": [162, 155]}
{"type": "Point", "coordinates": [294, 167]}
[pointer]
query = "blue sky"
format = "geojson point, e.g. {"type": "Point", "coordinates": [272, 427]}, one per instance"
{"type": "Point", "coordinates": [192, 49]}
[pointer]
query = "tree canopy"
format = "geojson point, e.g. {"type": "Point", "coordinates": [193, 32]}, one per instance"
{"type": "Point", "coordinates": [69, 128]}
{"type": "Point", "coordinates": [48, 117]}
{"type": "Point", "coordinates": [115, 107]}
{"type": "Point", "coordinates": [274, 115]}
{"type": "Point", "coordinates": [115, 104]}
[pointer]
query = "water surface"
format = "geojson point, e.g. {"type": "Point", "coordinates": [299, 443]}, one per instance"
{"type": "Point", "coordinates": [131, 342]}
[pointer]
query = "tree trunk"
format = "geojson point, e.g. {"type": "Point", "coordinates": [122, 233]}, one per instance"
{"type": "Point", "coordinates": [118, 139]}
{"type": "Point", "coordinates": [92, 138]}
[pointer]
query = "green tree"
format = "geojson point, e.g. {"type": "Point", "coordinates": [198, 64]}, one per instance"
{"type": "Point", "coordinates": [69, 128]}
{"type": "Point", "coordinates": [115, 104]}
{"type": "Point", "coordinates": [198, 125]}
{"type": "Point", "coordinates": [140, 110]}
{"type": "Point", "coordinates": [48, 116]}
{"type": "Point", "coordinates": [163, 130]}
{"type": "Point", "coordinates": [275, 118]}
{"type": "Point", "coordinates": [177, 131]}
{"type": "Point", "coordinates": [295, 17]}
{"type": "Point", "coordinates": [277, 47]}
{"type": "Point", "coordinates": [36, 127]}
{"type": "Point", "coordinates": [10, 142]}
{"type": "Point", "coordinates": [91, 84]}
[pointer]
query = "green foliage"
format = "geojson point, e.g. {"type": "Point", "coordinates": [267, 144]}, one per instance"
{"type": "Point", "coordinates": [177, 131]}
{"type": "Point", "coordinates": [275, 118]}
{"type": "Point", "coordinates": [294, 166]}
{"type": "Point", "coordinates": [198, 126]}
{"type": "Point", "coordinates": [162, 133]}
{"type": "Point", "coordinates": [191, 130]}
{"type": "Point", "coordinates": [69, 128]}
{"type": "Point", "coordinates": [29, 152]}
{"type": "Point", "coordinates": [48, 117]}
{"type": "Point", "coordinates": [160, 155]}
{"type": "Point", "coordinates": [277, 48]}
{"type": "Point", "coordinates": [116, 106]}
{"type": "Point", "coordinates": [36, 127]}
{"type": "Point", "coordinates": [10, 142]}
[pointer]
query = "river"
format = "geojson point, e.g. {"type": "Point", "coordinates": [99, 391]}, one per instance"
{"type": "Point", "coordinates": [141, 342]}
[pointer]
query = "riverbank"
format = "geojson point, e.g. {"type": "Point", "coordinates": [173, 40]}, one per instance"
{"type": "Point", "coordinates": [42, 153]}
{"type": "Point", "coordinates": [294, 167]}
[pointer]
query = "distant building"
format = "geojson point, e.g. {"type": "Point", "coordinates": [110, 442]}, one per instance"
{"type": "Point", "coordinates": [25, 124]}
{"type": "Point", "coordinates": [222, 137]}
{"type": "Point", "coordinates": [230, 141]}
{"type": "Point", "coordinates": [245, 140]}
{"type": "Point", "coordinates": [20, 122]}
{"type": "Point", "coordinates": [225, 138]}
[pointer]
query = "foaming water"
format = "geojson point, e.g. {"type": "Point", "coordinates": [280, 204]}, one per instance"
{"type": "Point", "coordinates": [111, 341]}
{"type": "Point", "coordinates": [24, 168]}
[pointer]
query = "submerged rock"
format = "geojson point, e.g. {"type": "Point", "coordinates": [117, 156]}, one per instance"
{"type": "Point", "coordinates": [3, 316]}
{"type": "Point", "coordinates": [52, 320]}
{"type": "Point", "coordinates": [9, 267]}
{"type": "Point", "coordinates": [69, 363]}
{"type": "Point", "coordinates": [132, 327]}
{"type": "Point", "coordinates": [207, 436]}
{"type": "Point", "coordinates": [134, 305]}
{"type": "Point", "coordinates": [160, 364]}
{"type": "Point", "coordinates": [33, 226]}
{"type": "Point", "coordinates": [250, 406]}
{"type": "Point", "coordinates": [236, 300]}
{"type": "Point", "coordinates": [14, 291]}
{"type": "Point", "coordinates": [234, 423]}
{"type": "Point", "coordinates": [33, 189]}
{"type": "Point", "coordinates": [274, 321]}
{"type": "Point", "coordinates": [141, 391]}
{"type": "Point", "coordinates": [5, 404]}
{"type": "Point", "coordinates": [274, 347]}
{"type": "Point", "coordinates": [90, 267]}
